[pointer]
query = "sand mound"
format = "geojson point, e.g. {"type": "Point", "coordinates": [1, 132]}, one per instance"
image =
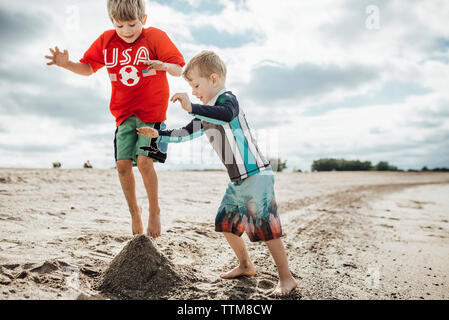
{"type": "Point", "coordinates": [49, 266]}
{"type": "Point", "coordinates": [141, 271]}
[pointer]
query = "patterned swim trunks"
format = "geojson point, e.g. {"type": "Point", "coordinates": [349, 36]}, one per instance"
{"type": "Point", "coordinates": [250, 206]}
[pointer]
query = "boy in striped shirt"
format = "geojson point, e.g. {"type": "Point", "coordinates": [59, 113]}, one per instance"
{"type": "Point", "coordinates": [249, 204]}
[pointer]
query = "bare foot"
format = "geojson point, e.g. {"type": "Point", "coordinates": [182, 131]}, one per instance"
{"type": "Point", "coordinates": [285, 287]}
{"type": "Point", "coordinates": [154, 224]}
{"type": "Point", "coordinates": [239, 271]}
{"type": "Point", "coordinates": [137, 225]}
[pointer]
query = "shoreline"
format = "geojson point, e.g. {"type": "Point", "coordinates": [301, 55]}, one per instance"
{"type": "Point", "coordinates": [286, 171]}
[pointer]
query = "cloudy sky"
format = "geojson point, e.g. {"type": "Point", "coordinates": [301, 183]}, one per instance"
{"type": "Point", "coordinates": [349, 79]}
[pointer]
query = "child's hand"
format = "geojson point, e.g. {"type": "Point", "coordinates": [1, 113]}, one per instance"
{"type": "Point", "coordinates": [156, 65]}
{"type": "Point", "coordinates": [147, 131]}
{"type": "Point", "coordinates": [184, 99]}
{"type": "Point", "coordinates": [61, 59]}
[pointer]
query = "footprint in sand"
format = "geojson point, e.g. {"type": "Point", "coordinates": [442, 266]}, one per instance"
{"type": "Point", "coordinates": [265, 284]}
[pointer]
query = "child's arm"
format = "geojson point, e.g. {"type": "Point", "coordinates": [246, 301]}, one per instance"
{"type": "Point", "coordinates": [191, 131]}
{"type": "Point", "coordinates": [222, 113]}
{"type": "Point", "coordinates": [173, 69]}
{"type": "Point", "coordinates": [61, 59]}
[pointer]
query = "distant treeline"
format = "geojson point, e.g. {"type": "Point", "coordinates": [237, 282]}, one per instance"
{"type": "Point", "coordinates": [357, 165]}
{"type": "Point", "coordinates": [424, 169]}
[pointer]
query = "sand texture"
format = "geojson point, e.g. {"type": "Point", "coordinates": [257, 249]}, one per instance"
{"type": "Point", "coordinates": [66, 234]}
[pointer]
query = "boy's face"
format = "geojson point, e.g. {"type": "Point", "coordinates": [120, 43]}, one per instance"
{"type": "Point", "coordinates": [129, 31]}
{"type": "Point", "coordinates": [204, 88]}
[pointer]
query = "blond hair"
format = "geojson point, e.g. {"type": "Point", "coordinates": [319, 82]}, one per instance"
{"type": "Point", "coordinates": [126, 10]}
{"type": "Point", "coordinates": [206, 62]}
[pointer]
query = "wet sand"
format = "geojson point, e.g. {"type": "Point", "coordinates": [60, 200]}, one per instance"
{"type": "Point", "coordinates": [349, 235]}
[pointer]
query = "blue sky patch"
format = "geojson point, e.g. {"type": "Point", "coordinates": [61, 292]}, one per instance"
{"type": "Point", "coordinates": [204, 6]}
{"type": "Point", "coordinates": [209, 35]}
{"type": "Point", "coordinates": [390, 93]}
{"type": "Point", "coordinates": [442, 44]}
{"type": "Point", "coordinates": [276, 83]}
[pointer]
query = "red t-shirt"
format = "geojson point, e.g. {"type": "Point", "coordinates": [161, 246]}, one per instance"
{"type": "Point", "coordinates": [144, 94]}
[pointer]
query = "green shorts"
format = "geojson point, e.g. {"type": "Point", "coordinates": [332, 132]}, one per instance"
{"type": "Point", "coordinates": [127, 142]}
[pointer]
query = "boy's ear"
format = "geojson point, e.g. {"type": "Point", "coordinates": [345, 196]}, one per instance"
{"type": "Point", "coordinates": [144, 21]}
{"type": "Point", "coordinates": [215, 78]}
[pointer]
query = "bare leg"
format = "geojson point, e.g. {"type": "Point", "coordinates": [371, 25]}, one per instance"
{"type": "Point", "coordinates": [246, 268]}
{"type": "Point", "coordinates": [286, 281]}
{"type": "Point", "coordinates": [149, 176]}
{"type": "Point", "coordinates": [126, 176]}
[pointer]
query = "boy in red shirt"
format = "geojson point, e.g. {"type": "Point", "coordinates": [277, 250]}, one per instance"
{"type": "Point", "coordinates": [137, 60]}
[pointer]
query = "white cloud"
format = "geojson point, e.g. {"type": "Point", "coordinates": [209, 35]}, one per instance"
{"type": "Point", "coordinates": [411, 48]}
{"type": "Point", "coordinates": [373, 133]}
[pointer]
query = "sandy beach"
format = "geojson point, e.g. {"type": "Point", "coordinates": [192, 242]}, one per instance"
{"type": "Point", "coordinates": [349, 235]}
